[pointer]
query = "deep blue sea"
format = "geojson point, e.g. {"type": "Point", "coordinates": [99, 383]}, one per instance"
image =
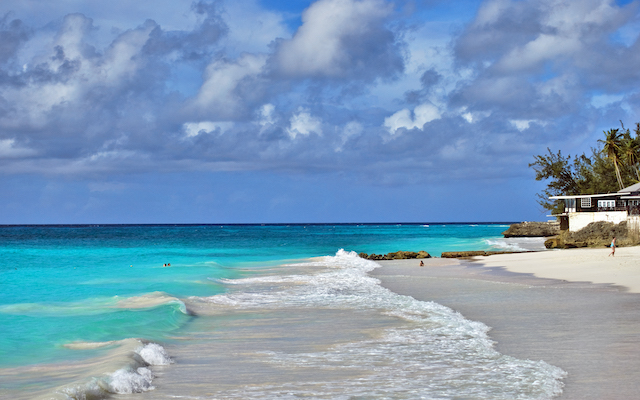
{"type": "Point", "coordinates": [95, 311]}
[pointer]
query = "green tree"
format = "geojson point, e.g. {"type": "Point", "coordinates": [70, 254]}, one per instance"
{"type": "Point", "coordinates": [559, 170]}
{"type": "Point", "coordinates": [611, 146]}
{"type": "Point", "coordinates": [629, 149]}
{"type": "Point", "coordinates": [603, 171]}
{"type": "Point", "coordinates": [594, 173]}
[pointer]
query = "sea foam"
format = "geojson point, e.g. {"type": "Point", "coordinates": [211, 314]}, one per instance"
{"type": "Point", "coordinates": [134, 377]}
{"type": "Point", "coordinates": [432, 350]}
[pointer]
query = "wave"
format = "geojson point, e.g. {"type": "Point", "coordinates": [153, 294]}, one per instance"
{"type": "Point", "coordinates": [125, 369]}
{"type": "Point", "coordinates": [517, 244]}
{"type": "Point", "coordinates": [433, 340]}
{"type": "Point", "coordinates": [151, 300]}
{"type": "Point", "coordinates": [95, 306]}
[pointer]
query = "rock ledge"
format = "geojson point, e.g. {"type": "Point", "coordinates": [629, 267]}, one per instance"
{"type": "Point", "coordinates": [398, 255]}
{"type": "Point", "coordinates": [469, 254]}
{"type": "Point", "coordinates": [532, 229]}
{"type": "Point", "coordinates": [596, 234]}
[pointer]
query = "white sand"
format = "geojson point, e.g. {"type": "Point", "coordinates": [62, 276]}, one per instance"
{"type": "Point", "coordinates": [576, 265]}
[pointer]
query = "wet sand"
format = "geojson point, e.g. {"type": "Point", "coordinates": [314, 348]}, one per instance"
{"type": "Point", "coordinates": [575, 309]}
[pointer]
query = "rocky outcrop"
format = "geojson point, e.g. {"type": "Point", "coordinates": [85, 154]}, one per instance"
{"type": "Point", "coordinates": [398, 255]}
{"type": "Point", "coordinates": [596, 234]}
{"type": "Point", "coordinates": [477, 253]}
{"type": "Point", "coordinates": [532, 229]}
{"type": "Point", "coordinates": [462, 254]}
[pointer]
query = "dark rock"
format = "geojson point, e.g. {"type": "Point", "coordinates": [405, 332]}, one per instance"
{"type": "Point", "coordinates": [532, 229]}
{"type": "Point", "coordinates": [398, 255]}
{"type": "Point", "coordinates": [553, 243]}
{"type": "Point", "coordinates": [477, 253]}
{"type": "Point", "coordinates": [463, 254]}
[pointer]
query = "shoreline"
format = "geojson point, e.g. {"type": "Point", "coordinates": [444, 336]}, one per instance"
{"type": "Point", "coordinates": [575, 309]}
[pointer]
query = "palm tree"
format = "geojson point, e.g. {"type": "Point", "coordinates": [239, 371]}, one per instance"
{"type": "Point", "coordinates": [629, 152]}
{"type": "Point", "coordinates": [612, 142]}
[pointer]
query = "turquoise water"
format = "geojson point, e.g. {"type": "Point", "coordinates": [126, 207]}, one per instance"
{"type": "Point", "coordinates": [64, 285]}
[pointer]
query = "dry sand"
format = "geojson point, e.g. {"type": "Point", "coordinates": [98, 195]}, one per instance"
{"type": "Point", "coordinates": [576, 265]}
{"type": "Point", "coordinates": [576, 309]}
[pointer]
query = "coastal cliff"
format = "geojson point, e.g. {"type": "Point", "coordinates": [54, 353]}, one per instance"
{"type": "Point", "coordinates": [596, 234]}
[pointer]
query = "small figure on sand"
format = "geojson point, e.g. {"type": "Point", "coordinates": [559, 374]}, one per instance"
{"type": "Point", "coordinates": [421, 263]}
{"type": "Point", "coordinates": [613, 247]}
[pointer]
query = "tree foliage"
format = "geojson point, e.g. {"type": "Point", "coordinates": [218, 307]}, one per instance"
{"type": "Point", "coordinates": [608, 168]}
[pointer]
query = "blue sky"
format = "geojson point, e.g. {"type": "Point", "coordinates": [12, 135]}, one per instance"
{"type": "Point", "coordinates": [259, 111]}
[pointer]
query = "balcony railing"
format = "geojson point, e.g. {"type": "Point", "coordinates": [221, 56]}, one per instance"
{"type": "Point", "coordinates": [617, 208]}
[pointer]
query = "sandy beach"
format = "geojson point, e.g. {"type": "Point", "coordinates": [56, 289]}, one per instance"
{"type": "Point", "coordinates": [576, 265]}
{"type": "Point", "coordinates": [576, 309]}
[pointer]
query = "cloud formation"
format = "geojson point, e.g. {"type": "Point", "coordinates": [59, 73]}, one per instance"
{"type": "Point", "coordinates": [379, 90]}
{"type": "Point", "coordinates": [341, 39]}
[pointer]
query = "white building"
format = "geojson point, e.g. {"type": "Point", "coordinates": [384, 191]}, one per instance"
{"type": "Point", "coordinates": [581, 210]}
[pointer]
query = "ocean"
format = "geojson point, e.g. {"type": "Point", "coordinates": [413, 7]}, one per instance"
{"type": "Point", "coordinates": [243, 311]}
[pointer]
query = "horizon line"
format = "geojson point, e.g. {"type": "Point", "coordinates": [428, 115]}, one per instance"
{"type": "Point", "coordinates": [260, 224]}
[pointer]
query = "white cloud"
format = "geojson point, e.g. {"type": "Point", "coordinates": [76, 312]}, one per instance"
{"type": "Point", "coordinates": [524, 124]}
{"type": "Point", "coordinates": [324, 44]}
{"type": "Point", "coordinates": [219, 93]}
{"type": "Point", "coordinates": [406, 119]}
{"type": "Point", "coordinates": [473, 117]}
{"type": "Point", "coordinates": [544, 47]}
{"type": "Point", "coordinates": [567, 30]}
{"type": "Point", "coordinates": [66, 69]}
{"type": "Point", "coordinates": [304, 124]}
{"type": "Point", "coordinates": [192, 129]}
{"type": "Point", "coordinates": [267, 115]}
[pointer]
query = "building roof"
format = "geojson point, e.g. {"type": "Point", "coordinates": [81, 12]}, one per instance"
{"type": "Point", "coordinates": [631, 189]}
{"type": "Point", "coordinates": [580, 196]}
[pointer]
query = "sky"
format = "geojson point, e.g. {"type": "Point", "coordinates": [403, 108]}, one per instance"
{"type": "Point", "coordinates": [300, 111]}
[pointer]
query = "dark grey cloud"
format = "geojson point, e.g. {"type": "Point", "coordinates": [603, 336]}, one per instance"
{"type": "Point", "coordinates": [428, 80]}
{"type": "Point", "coordinates": [13, 33]}
{"type": "Point", "coordinates": [498, 27]}
{"type": "Point", "coordinates": [198, 44]}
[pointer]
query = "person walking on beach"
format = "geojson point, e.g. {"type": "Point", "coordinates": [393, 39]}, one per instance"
{"type": "Point", "coordinates": [613, 247]}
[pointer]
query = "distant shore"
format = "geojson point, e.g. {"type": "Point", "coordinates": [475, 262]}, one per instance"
{"type": "Point", "coordinates": [576, 309]}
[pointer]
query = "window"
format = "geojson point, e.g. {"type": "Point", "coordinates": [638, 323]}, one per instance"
{"type": "Point", "coordinates": [585, 202]}
{"type": "Point", "coordinates": [606, 203]}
